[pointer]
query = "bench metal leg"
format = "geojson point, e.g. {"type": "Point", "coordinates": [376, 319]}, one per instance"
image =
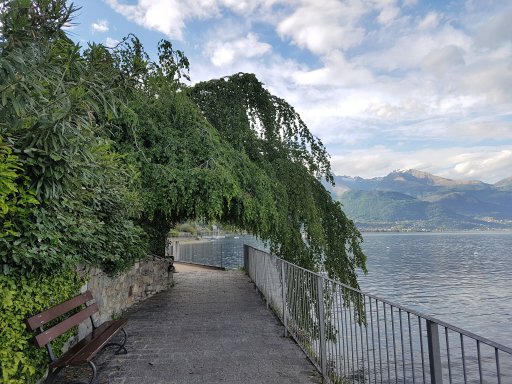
{"type": "Point", "coordinates": [93, 377]}
{"type": "Point", "coordinates": [52, 375]}
{"type": "Point", "coordinates": [94, 372]}
{"type": "Point", "coordinates": [120, 345]}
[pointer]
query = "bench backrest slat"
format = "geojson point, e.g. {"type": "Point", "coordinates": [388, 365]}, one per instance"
{"type": "Point", "coordinates": [45, 337]}
{"type": "Point", "coordinates": [44, 317]}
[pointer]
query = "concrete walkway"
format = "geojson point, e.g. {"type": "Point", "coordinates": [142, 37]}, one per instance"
{"type": "Point", "coordinates": [211, 327]}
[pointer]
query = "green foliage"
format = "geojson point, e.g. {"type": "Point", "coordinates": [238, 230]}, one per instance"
{"type": "Point", "coordinates": [51, 99]}
{"type": "Point", "coordinates": [187, 227]}
{"type": "Point", "coordinates": [16, 199]}
{"type": "Point", "coordinates": [183, 170]}
{"type": "Point", "coordinates": [174, 233]}
{"type": "Point", "coordinates": [118, 149]}
{"type": "Point", "coordinates": [21, 297]}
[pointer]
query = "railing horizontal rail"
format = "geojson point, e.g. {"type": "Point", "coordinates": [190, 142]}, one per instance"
{"type": "Point", "coordinates": [452, 327]}
{"type": "Point", "coordinates": [352, 336]}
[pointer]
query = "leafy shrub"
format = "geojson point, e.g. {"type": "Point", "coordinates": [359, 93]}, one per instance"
{"type": "Point", "coordinates": [59, 152]}
{"type": "Point", "coordinates": [187, 227]}
{"type": "Point", "coordinates": [174, 233]}
{"type": "Point", "coordinates": [16, 200]}
{"type": "Point", "coordinates": [21, 297]}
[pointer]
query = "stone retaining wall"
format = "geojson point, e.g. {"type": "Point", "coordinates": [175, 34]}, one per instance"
{"type": "Point", "coordinates": [115, 294]}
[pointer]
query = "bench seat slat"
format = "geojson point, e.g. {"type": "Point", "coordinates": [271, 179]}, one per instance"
{"type": "Point", "coordinates": [85, 350]}
{"type": "Point", "coordinates": [42, 318]}
{"type": "Point", "coordinates": [92, 348]}
{"type": "Point", "coordinates": [45, 337]}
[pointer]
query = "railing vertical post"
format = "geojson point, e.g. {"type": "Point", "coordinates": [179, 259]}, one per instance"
{"type": "Point", "coordinates": [246, 259]}
{"type": "Point", "coordinates": [283, 287]}
{"type": "Point", "coordinates": [321, 323]}
{"type": "Point", "coordinates": [264, 283]}
{"type": "Point", "coordinates": [434, 353]}
{"type": "Point", "coordinates": [255, 263]}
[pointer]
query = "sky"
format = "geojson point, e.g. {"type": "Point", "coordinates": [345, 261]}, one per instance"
{"type": "Point", "coordinates": [384, 84]}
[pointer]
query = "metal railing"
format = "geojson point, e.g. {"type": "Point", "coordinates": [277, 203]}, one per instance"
{"type": "Point", "coordinates": [211, 253]}
{"type": "Point", "coordinates": [354, 337]}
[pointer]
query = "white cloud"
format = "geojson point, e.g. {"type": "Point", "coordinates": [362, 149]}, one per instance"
{"type": "Point", "coordinates": [496, 31]}
{"type": "Point", "coordinates": [402, 109]}
{"type": "Point", "coordinates": [170, 16]}
{"type": "Point", "coordinates": [481, 164]}
{"type": "Point", "coordinates": [412, 46]}
{"type": "Point", "coordinates": [431, 20]}
{"type": "Point", "coordinates": [166, 16]}
{"type": "Point", "coordinates": [444, 60]}
{"type": "Point", "coordinates": [110, 42]}
{"type": "Point", "coordinates": [225, 53]}
{"type": "Point", "coordinates": [323, 26]}
{"type": "Point", "coordinates": [100, 26]}
{"type": "Point", "coordinates": [337, 71]}
{"type": "Point", "coordinates": [336, 132]}
{"type": "Point", "coordinates": [377, 161]}
{"type": "Point", "coordinates": [240, 5]}
{"type": "Point", "coordinates": [482, 128]}
{"type": "Point", "coordinates": [388, 11]}
{"type": "Point", "coordinates": [489, 78]}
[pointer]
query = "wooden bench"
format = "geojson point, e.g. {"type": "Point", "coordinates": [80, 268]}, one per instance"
{"type": "Point", "coordinates": [86, 349]}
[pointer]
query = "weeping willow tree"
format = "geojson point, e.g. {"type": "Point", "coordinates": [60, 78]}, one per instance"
{"type": "Point", "coordinates": [308, 227]}
{"type": "Point", "coordinates": [230, 151]}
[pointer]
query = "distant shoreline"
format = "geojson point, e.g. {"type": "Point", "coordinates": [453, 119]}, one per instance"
{"type": "Point", "coordinates": [196, 240]}
{"type": "Point", "coordinates": [395, 231]}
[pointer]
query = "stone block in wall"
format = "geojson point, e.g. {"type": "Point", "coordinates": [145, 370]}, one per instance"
{"type": "Point", "coordinates": [116, 294]}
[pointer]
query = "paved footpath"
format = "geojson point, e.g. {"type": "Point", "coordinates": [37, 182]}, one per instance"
{"type": "Point", "coordinates": [211, 327]}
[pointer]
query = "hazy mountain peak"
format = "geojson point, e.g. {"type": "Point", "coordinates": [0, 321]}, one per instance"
{"type": "Point", "coordinates": [431, 179]}
{"type": "Point", "coordinates": [504, 184]}
{"type": "Point", "coordinates": [428, 178]}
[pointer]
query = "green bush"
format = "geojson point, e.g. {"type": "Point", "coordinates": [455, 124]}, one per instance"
{"type": "Point", "coordinates": [21, 297]}
{"type": "Point", "coordinates": [67, 196]}
{"type": "Point", "coordinates": [174, 233]}
{"type": "Point", "coordinates": [187, 227]}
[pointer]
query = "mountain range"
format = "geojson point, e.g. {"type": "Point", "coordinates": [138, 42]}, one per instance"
{"type": "Point", "coordinates": [417, 200]}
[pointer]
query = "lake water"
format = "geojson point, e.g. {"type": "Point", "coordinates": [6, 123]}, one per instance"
{"type": "Point", "coordinates": [225, 252]}
{"type": "Point", "coordinates": [462, 278]}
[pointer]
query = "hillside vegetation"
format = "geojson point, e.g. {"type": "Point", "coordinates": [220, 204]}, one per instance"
{"type": "Point", "coordinates": [416, 200]}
